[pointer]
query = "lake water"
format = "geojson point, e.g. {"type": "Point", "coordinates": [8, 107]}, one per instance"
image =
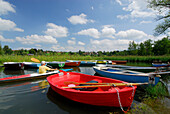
{"type": "Point", "coordinates": [36, 97]}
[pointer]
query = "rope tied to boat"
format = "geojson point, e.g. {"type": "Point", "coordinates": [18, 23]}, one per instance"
{"type": "Point", "coordinates": [120, 101]}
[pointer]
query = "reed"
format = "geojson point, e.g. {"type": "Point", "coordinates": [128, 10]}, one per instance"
{"type": "Point", "coordinates": [20, 58]}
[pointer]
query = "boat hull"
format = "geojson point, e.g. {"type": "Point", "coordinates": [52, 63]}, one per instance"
{"type": "Point", "coordinates": [31, 65]}
{"type": "Point", "coordinates": [128, 78]}
{"type": "Point", "coordinates": [73, 64]}
{"type": "Point", "coordinates": [119, 62]}
{"type": "Point", "coordinates": [28, 77]}
{"type": "Point", "coordinates": [56, 64]}
{"type": "Point", "coordinates": [13, 65]}
{"type": "Point", "coordinates": [97, 97]}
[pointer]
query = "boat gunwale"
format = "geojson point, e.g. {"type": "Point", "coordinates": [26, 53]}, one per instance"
{"type": "Point", "coordinates": [127, 89]}
{"type": "Point", "coordinates": [122, 73]}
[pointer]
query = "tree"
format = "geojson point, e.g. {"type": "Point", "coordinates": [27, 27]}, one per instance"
{"type": "Point", "coordinates": [1, 50]}
{"type": "Point", "coordinates": [161, 5]}
{"type": "Point", "coordinates": [133, 48]}
{"type": "Point", "coordinates": [162, 47]}
{"type": "Point", "coordinates": [148, 47]}
{"type": "Point", "coordinates": [7, 50]}
{"type": "Point", "coordinates": [141, 49]}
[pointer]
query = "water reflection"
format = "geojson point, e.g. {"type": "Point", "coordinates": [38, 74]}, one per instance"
{"type": "Point", "coordinates": [13, 72]}
{"type": "Point", "coordinates": [78, 108]}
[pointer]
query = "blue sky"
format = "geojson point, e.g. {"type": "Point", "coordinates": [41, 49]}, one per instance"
{"type": "Point", "coordinates": [72, 25]}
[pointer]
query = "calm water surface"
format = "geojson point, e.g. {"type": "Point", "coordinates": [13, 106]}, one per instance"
{"type": "Point", "coordinates": [36, 97]}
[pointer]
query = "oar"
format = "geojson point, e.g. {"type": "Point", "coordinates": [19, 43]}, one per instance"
{"type": "Point", "coordinates": [106, 85]}
{"type": "Point", "coordinates": [35, 60]}
{"type": "Point", "coordinates": [70, 82]}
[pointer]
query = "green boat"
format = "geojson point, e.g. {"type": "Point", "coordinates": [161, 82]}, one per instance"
{"type": "Point", "coordinates": [56, 64]}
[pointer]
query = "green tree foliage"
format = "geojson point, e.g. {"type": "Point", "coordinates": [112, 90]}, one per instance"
{"type": "Point", "coordinates": [148, 47]}
{"type": "Point", "coordinates": [162, 47]}
{"type": "Point", "coordinates": [7, 50]}
{"type": "Point", "coordinates": [133, 48]}
{"type": "Point", "coordinates": [1, 50]}
{"type": "Point", "coordinates": [32, 51]}
{"type": "Point", "coordinates": [141, 49]}
{"type": "Point", "coordinates": [161, 5]}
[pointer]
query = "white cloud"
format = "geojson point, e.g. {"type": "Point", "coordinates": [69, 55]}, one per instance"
{"type": "Point", "coordinates": [81, 43]}
{"type": "Point", "coordinates": [145, 22]}
{"type": "Point", "coordinates": [108, 32]}
{"type": "Point", "coordinates": [33, 39]}
{"type": "Point", "coordinates": [79, 19]}
{"type": "Point", "coordinates": [92, 8]}
{"type": "Point", "coordinates": [5, 40]}
{"type": "Point", "coordinates": [6, 7]}
{"type": "Point", "coordinates": [123, 16]}
{"type": "Point", "coordinates": [71, 42]}
{"type": "Point", "coordinates": [73, 38]}
{"type": "Point", "coordinates": [132, 34]}
{"type": "Point", "coordinates": [109, 45]}
{"type": "Point", "coordinates": [90, 32]}
{"type": "Point", "coordinates": [137, 9]}
{"type": "Point", "coordinates": [7, 25]}
{"type": "Point", "coordinates": [57, 48]}
{"type": "Point", "coordinates": [118, 1]}
{"type": "Point", "coordinates": [56, 31]}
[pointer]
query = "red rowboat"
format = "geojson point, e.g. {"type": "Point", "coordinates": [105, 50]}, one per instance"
{"type": "Point", "coordinates": [118, 96]}
{"type": "Point", "coordinates": [73, 64]}
{"type": "Point", "coordinates": [118, 62]}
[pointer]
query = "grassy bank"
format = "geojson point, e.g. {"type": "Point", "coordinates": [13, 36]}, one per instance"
{"type": "Point", "coordinates": [19, 58]}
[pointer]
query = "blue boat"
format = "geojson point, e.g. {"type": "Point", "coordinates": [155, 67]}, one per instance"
{"type": "Point", "coordinates": [127, 75]}
{"type": "Point", "coordinates": [161, 65]}
{"type": "Point", "coordinates": [135, 68]}
{"type": "Point", "coordinates": [31, 65]}
{"type": "Point", "coordinates": [87, 63]}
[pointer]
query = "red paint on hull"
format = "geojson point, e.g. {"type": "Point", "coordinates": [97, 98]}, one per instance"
{"type": "Point", "coordinates": [102, 96]}
{"type": "Point", "coordinates": [119, 62]}
{"type": "Point", "coordinates": [72, 63]}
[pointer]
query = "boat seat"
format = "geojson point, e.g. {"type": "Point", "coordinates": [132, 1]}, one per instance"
{"type": "Point", "coordinates": [87, 89]}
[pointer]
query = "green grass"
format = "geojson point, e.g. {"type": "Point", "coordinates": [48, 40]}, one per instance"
{"type": "Point", "coordinates": [19, 58]}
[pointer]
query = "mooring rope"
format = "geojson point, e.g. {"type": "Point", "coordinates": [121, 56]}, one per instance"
{"type": "Point", "coordinates": [120, 101]}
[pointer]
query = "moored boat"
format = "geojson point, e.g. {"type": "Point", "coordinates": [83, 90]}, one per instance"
{"type": "Point", "coordinates": [87, 63]}
{"type": "Point", "coordinates": [100, 95]}
{"type": "Point", "coordinates": [31, 65]}
{"type": "Point", "coordinates": [119, 61]}
{"type": "Point", "coordinates": [28, 76]}
{"type": "Point", "coordinates": [135, 68]}
{"type": "Point", "coordinates": [72, 63]}
{"type": "Point", "coordinates": [127, 75]}
{"type": "Point", "coordinates": [160, 65]}
{"type": "Point", "coordinates": [56, 64]}
{"type": "Point", "coordinates": [14, 65]}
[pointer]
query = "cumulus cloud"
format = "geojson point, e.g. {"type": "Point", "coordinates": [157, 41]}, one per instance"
{"type": "Point", "coordinates": [118, 1]}
{"type": "Point", "coordinates": [137, 9]}
{"type": "Point", "coordinates": [108, 32]}
{"type": "Point", "coordinates": [132, 34]}
{"type": "Point", "coordinates": [109, 44]}
{"type": "Point", "coordinates": [56, 31]}
{"type": "Point", "coordinates": [37, 39]}
{"type": "Point", "coordinates": [5, 39]}
{"type": "Point", "coordinates": [90, 32]}
{"type": "Point", "coordinates": [7, 25]}
{"type": "Point", "coordinates": [71, 42]}
{"type": "Point", "coordinates": [145, 22]}
{"type": "Point", "coordinates": [6, 7]}
{"type": "Point", "coordinates": [79, 19]}
{"type": "Point", "coordinates": [81, 43]}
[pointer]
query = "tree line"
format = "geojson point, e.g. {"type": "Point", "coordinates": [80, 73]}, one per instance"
{"type": "Point", "coordinates": [146, 48]}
